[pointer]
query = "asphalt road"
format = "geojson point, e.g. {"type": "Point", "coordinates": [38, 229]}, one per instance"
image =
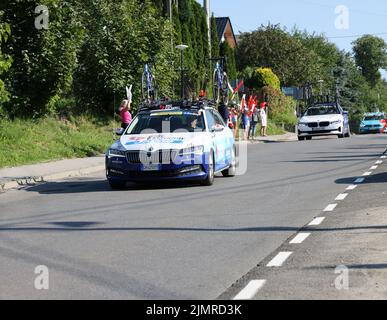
{"type": "Point", "coordinates": [171, 242]}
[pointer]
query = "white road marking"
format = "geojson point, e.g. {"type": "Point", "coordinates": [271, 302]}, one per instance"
{"type": "Point", "coordinates": [250, 290]}
{"type": "Point", "coordinates": [359, 180]}
{"type": "Point", "coordinates": [341, 197]}
{"type": "Point", "coordinates": [352, 187]}
{"type": "Point", "coordinates": [373, 167]}
{"type": "Point", "coordinates": [317, 221]}
{"type": "Point", "coordinates": [279, 259]}
{"type": "Point", "coordinates": [379, 162]}
{"type": "Point", "coordinates": [330, 207]}
{"type": "Point", "coordinates": [383, 157]}
{"type": "Point", "coordinates": [367, 174]}
{"type": "Point", "coordinates": [300, 238]}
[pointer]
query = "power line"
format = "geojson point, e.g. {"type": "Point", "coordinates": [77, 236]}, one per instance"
{"type": "Point", "coordinates": [358, 35]}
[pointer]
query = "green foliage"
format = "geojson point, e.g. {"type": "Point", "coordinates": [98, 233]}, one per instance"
{"type": "Point", "coordinates": [371, 56]}
{"type": "Point", "coordinates": [261, 77]}
{"type": "Point", "coordinates": [281, 108]}
{"type": "Point", "coordinates": [229, 53]}
{"type": "Point", "coordinates": [5, 60]}
{"type": "Point", "coordinates": [44, 60]}
{"type": "Point", "coordinates": [215, 48]}
{"type": "Point", "coordinates": [274, 48]}
{"type": "Point", "coordinates": [120, 37]}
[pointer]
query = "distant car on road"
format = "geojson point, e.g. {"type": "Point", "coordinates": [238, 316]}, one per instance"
{"type": "Point", "coordinates": [374, 122]}
{"type": "Point", "coordinates": [324, 119]}
{"type": "Point", "coordinates": [178, 144]}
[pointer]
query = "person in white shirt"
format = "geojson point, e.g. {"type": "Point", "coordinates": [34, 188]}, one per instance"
{"type": "Point", "coordinates": [263, 118]}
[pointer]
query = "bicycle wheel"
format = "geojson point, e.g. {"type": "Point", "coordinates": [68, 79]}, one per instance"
{"type": "Point", "coordinates": [225, 95]}
{"type": "Point", "coordinates": [215, 86]}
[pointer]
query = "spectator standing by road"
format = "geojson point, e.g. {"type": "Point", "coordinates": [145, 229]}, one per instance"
{"type": "Point", "coordinates": [263, 118]}
{"type": "Point", "coordinates": [245, 118]}
{"type": "Point", "coordinates": [255, 117]}
{"type": "Point", "coordinates": [126, 116]}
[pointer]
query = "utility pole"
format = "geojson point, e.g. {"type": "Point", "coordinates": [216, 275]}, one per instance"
{"type": "Point", "coordinates": [207, 9]}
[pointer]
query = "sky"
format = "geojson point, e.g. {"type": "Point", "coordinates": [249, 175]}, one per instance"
{"type": "Point", "coordinates": [356, 17]}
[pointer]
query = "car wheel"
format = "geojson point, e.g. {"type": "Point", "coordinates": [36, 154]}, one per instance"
{"type": "Point", "coordinates": [301, 138]}
{"type": "Point", "coordinates": [209, 181]}
{"type": "Point", "coordinates": [117, 185]}
{"type": "Point", "coordinates": [231, 172]}
{"type": "Point", "coordinates": [308, 138]}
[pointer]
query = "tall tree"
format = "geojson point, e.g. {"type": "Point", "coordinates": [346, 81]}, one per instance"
{"type": "Point", "coordinates": [371, 56]}
{"type": "Point", "coordinates": [5, 60]}
{"type": "Point", "coordinates": [272, 47]}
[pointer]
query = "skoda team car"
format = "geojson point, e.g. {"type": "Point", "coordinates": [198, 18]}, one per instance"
{"type": "Point", "coordinates": [373, 123]}
{"type": "Point", "coordinates": [323, 120]}
{"type": "Point", "coordinates": [178, 144]}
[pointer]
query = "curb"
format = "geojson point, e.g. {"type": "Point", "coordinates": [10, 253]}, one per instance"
{"type": "Point", "coordinates": [28, 181]}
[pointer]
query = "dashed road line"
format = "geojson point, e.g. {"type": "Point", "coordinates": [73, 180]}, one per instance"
{"type": "Point", "coordinates": [300, 238]}
{"type": "Point", "coordinates": [383, 157]}
{"type": "Point", "coordinates": [279, 259]}
{"type": "Point", "coordinates": [351, 187]}
{"type": "Point", "coordinates": [379, 162]}
{"type": "Point", "coordinates": [250, 290]}
{"type": "Point", "coordinates": [367, 174]}
{"type": "Point", "coordinates": [317, 221]}
{"type": "Point", "coordinates": [330, 207]}
{"type": "Point", "coordinates": [341, 197]}
{"type": "Point", "coordinates": [373, 167]}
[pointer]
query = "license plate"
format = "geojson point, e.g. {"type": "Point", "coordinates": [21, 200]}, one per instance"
{"type": "Point", "coordinates": [316, 129]}
{"type": "Point", "coordinates": [151, 167]}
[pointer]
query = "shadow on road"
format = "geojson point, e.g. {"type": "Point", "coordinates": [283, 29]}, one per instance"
{"type": "Point", "coordinates": [99, 186]}
{"type": "Point", "coordinates": [376, 178]}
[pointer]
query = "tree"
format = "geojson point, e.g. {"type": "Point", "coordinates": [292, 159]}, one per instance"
{"type": "Point", "coordinates": [229, 53]}
{"type": "Point", "coordinates": [44, 60]}
{"type": "Point", "coordinates": [274, 48]}
{"type": "Point", "coordinates": [5, 60]}
{"type": "Point", "coordinates": [371, 56]}
{"type": "Point", "coordinates": [262, 77]}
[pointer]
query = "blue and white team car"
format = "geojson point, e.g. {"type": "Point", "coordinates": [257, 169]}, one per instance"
{"type": "Point", "coordinates": [180, 143]}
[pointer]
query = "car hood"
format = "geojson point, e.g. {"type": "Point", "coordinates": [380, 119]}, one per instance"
{"type": "Point", "coordinates": [163, 141]}
{"type": "Point", "coordinates": [329, 117]}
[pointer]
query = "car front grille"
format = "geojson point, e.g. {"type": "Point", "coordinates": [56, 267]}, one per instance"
{"type": "Point", "coordinates": [159, 156]}
{"type": "Point", "coordinates": [313, 125]}
{"type": "Point", "coordinates": [324, 124]}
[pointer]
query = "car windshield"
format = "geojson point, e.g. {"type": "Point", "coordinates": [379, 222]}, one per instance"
{"type": "Point", "coordinates": [322, 110]}
{"type": "Point", "coordinates": [167, 122]}
{"type": "Point", "coordinates": [371, 118]}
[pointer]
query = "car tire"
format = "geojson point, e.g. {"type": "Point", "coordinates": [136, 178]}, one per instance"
{"type": "Point", "coordinates": [341, 136]}
{"type": "Point", "coordinates": [209, 181]}
{"type": "Point", "coordinates": [114, 185]}
{"type": "Point", "coordinates": [231, 171]}
{"type": "Point", "coordinates": [308, 138]}
{"type": "Point", "coordinates": [301, 138]}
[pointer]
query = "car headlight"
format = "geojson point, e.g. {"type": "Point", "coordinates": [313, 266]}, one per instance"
{"type": "Point", "coordinates": [362, 125]}
{"type": "Point", "coordinates": [192, 150]}
{"type": "Point", "coordinates": [116, 153]}
{"type": "Point", "coordinates": [337, 122]}
{"type": "Point", "coordinates": [303, 124]}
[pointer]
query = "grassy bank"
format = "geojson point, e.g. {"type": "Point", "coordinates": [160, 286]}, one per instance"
{"type": "Point", "coordinates": [29, 141]}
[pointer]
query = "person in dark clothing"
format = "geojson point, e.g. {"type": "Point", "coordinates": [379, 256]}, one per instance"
{"type": "Point", "coordinates": [223, 110]}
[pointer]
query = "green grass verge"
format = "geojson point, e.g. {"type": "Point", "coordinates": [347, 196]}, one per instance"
{"type": "Point", "coordinates": [33, 141]}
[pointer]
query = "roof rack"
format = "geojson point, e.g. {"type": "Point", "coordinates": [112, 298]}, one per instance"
{"type": "Point", "coordinates": [179, 104]}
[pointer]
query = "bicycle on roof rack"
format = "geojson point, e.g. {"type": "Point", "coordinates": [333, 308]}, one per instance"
{"type": "Point", "coordinates": [220, 81]}
{"type": "Point", "coordinates": [148, 84]}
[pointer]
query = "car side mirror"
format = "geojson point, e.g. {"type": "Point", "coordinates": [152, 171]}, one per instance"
{"type": "Point", "coordinates": [120, 132]}
{"type": "Point", "coordinates": [217, 129]}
